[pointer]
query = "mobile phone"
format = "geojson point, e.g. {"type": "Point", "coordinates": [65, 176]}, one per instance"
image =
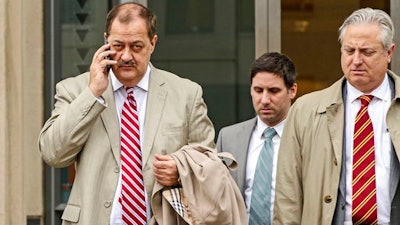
{"type": "Point", "coordinates": [108, 57]}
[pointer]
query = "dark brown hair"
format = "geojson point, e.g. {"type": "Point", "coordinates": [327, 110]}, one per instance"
{"type": "Point", "coordinates": [126, 12]}
{"type": "Point", "coordinates": [276, 63]}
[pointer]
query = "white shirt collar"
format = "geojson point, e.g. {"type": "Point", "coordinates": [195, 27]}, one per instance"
{"type": "Point", "coordinates": [261, 126]}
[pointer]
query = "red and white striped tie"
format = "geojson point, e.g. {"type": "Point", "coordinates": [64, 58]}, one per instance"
{"type": "Point", "coordinates": [132, 195]}
{"type": "Point", "coordinates": [364, 183]}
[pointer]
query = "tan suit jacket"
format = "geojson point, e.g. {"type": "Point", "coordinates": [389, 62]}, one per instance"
{"type": "Point", "coordinates": [83, 131]}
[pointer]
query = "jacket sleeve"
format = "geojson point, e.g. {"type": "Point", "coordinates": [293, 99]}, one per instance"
{"type": "Point", "coordinates": [66, 131]}
{"type": "Point", "coordinates": [201, 129]}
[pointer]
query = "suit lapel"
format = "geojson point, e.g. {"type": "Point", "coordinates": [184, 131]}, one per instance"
{"type": "Point", "coordinates": [110, 120]}
{"type": "Point", "coordinates": [336, 128]}
{"type": "Point", "coordinates": [242, 146]}
{"type": "Point", "coordinates": [155, 104]}
{"type": "Point", "coordinates": [335, 121]}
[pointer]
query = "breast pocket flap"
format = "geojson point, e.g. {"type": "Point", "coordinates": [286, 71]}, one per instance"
{"type": "Point", "coordinates": [71, 213]}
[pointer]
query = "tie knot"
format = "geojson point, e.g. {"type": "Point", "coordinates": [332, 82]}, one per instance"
{"type": "Point", "coordinates": [130, 97]}
{"type": "Point", "coordinates": [269, 133]}
{"type": "Point", "coordinates": [129, 90]}
{"type": "Point", "coordinates": [366, 99]}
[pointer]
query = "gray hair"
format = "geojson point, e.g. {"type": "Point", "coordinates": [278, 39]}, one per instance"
{"type": "Point", "coordinates": [371, 16]}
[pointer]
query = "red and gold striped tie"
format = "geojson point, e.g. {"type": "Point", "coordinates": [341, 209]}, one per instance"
{"type": "Point", "coordinates": [364, 187]}
{"type": "Point", "coordinates": [132, 195]}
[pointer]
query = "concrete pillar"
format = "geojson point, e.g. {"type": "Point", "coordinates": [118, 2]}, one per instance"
{"type": "Point", "coordinates": [21, 110]}
{"type": "Point", "coordinates": [267, 26]}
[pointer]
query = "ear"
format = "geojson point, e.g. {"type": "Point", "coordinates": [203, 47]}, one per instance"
{"type": "Point", "coordinates": [390, 53]}
{"type": "Point", "coordinates": [293, 91]}
{"type": "Point", "coordinates": [153, 43]}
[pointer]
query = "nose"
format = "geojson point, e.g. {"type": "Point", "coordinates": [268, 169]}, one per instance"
{"type": "Point", "coordinates": [357, 59]}
{"type": "Point", "coordinates": [265, 99]}
{"type": "Point", "coordinates": [126, 55]}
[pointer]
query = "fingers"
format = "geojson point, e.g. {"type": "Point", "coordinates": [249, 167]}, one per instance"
{"type": "Point", "coordinates": [102, 57]}
{"type": "Point", "coordinates": [163, 157]}
{"type": "Point", "coordinates": [165, 180]}
{"type": "Point", "coordinates": [164, 162]}
{"type": "Point", "coordinates": [165, 170]}
{"type": "Point", "coordinates": [98, 70]}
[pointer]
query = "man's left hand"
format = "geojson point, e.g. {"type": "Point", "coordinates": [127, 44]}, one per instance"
{"type": "Point", "coordinates": [165, 170]}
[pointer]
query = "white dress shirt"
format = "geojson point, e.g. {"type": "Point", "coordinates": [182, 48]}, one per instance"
{"type": "Point", "coordinates": [255, 146]}
{"type": "Point", "coordinates": [377, 110]}
{"type": "Point", "coordinates": [140, 94]}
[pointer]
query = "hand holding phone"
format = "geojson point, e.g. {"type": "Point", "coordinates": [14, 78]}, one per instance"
{"type": "Point", "coordinates": [99, 70]}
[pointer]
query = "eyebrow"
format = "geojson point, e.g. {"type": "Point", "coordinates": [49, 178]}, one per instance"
{"type": "Point", "coordinates": [133, 42]}
{"type": "Point", "coordinates": [365, 47]}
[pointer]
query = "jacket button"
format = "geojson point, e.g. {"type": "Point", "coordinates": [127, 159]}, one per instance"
{"type": "Point", "coordinates": [335, 162]}
{"type": "Point", "coordinates": [107, 204]}
{"type": "Point", "coordinates": [328, 199]}
{"type": "Point", "coordinates": [116, 170]}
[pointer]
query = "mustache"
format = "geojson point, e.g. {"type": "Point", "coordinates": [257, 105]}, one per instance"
{"type": "Point", "coordinates": [129, 63]}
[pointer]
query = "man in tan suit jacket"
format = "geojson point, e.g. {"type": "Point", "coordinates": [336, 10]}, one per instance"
{"type": "Point", "coordinates": [84, 127]}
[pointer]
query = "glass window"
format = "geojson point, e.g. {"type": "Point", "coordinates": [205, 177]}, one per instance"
{"type": "Point", "coordinates": [310, 38]}
{"type": "Point", "coordinates": [82, 28]}
{"type": "Point", "coordinates": [190, 16]}
{"type": "Point", "coordinates": [212, 43]}
{"type": "Point", "coordinates": [74, 31]}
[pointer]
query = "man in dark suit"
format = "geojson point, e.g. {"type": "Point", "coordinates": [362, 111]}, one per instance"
{"type": "Point", "coordinates": [332, 169]}
{"type": "Point", "coordinates": [273, 87]}
{"type": "Point", "coordinates": [84, 128]}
